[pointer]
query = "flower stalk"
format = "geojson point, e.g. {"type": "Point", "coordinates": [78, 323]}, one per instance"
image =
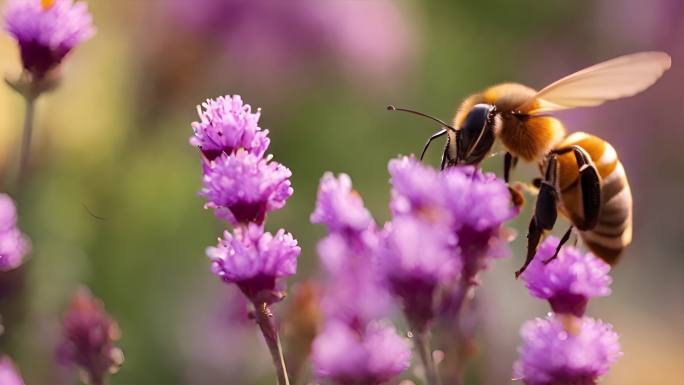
{"type": "Point", "coordinates": [422, 342]}
{"type": "Point", "coordinates": [27, 134]}
{"type": "Point", "coordinates": [264, 319]}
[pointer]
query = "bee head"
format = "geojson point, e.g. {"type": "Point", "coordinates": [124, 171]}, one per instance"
{"type": "Point", "coordinates": [476, 134]}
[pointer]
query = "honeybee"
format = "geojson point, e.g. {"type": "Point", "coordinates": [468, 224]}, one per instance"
{"type": "Point", "coordinates": [582, 177]}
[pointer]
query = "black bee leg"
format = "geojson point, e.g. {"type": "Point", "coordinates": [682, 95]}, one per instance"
{"type": "Point", "coordinates": [534, 234]}
{"type": "Point", "coordinates": [509, 163]}
{"type": "Point", "coordinates": [590, 188]}
{"type": "Point", "coordinates": [445, 154]}
{"type": "Point", "coordinates": [536, 182]}
{"type": "Point", "coordinates": [434, 136]}
{"type": "Point", "coordinates": [563, 240]}
{"type": "Point", "coordinates": [545, 211]}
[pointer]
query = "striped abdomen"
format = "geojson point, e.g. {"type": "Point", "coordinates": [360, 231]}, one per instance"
{"type": "Point", "coordinates": [613, 231]}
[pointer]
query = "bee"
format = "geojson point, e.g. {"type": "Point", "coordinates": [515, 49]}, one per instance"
{"type": "Point", "coordinates": [581, 175]}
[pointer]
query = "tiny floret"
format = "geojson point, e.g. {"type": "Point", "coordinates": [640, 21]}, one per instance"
{"type": "Point", "coordinates": [89, 338]}
{"type": "Point", "coordinates": [570, 280]}
{"type": "Point", "coordinates": [342, 355]}
{"type": "Point", "coordinates": [339, 206]}
{"type": "Point", "coordinates": [254, 260]}
{"type": "Point", "coordinates": [47, 30]}
{"type": "Point", "coordinates": [243, 188]}
{"type": "Point", "coordinates": [14, 245]}
{"type": "Point", "coordinates": [552, 355]}
{"type": "Point", "coordinates": [226, 125]}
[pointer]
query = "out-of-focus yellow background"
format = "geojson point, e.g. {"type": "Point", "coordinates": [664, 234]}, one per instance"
{"type": "Point", "coordinates": [112, 142]}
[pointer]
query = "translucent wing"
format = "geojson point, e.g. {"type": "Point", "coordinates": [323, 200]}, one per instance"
{"type": "Point", "coordinates": [613, 79]}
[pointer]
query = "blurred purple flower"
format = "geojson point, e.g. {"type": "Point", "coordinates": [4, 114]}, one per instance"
{"type": "Point", "coordinates": [553, 355]}
{"type": "Point", "coordinates": [89, 337]}
{"type": "Point", "coordinates": [354, 293]}
{"type": "Point", "coordinates": [345, 356]}
{"type": "Point", "coordinates": [340, 207]}
{"type": "Point", "coordinates": [254, 260]}
{"type": "Point", "coordinates": [47, 30]}
{"type": "Point", "coordinates": [569, 281]}
{"type": "Point", "coordinates": [226, 125]}
{"type": "Point", "coordinates": [474, 205]}
{"type": "Point", "coordinates": [416, 257]}
{"type": "Point", "coordinates": [243, 187]}
{"type": "Point", "coordinates": [371, 40]}
{"type": "Point", "coordinates": [13, 244]}
{"type": "Point", "coordinates": [9, 375]}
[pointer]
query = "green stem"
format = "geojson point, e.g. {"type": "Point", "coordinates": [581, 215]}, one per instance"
{"type": "Point", "coordinates": [421, 339]}
{"type": "Point", "coordinates": [264, 318]}
{"type": "Point", "coordinates": [26, 140]}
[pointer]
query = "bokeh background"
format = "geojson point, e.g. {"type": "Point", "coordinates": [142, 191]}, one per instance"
{"type": "Point", "coordinates": [111, 142]}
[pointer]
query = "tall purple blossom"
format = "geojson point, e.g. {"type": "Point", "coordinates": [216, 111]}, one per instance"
{"type": "Point", "coordinates": [353, 348]}
{"type": "Point", "coordinates": [9, 375]}
{"type": "Point", "coordinates": [89, 339]}
{"type": "Point", "coordinates": [47, 30]}
{"type": "Point", "coordinates": [226, 125]}
{"type": "Point", "coordinates": [553, 355]}
{"type": "Point", "coordinates": [569, 281]}
{"type": "Point", "coordinates": [13, 244]}
{"type": "Point", "coordinates": [243, 188]}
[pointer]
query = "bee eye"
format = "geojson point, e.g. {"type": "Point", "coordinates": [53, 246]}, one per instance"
{"type": "Point", "coordinates": [476, 135]}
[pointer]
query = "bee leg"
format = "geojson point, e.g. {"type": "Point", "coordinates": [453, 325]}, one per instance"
{"type": "Point", "coordinates": [545, 212]}
{"type": "Point", "coordinates": [534, 234]}
{"type": "Point", "coordinates": [509, 163]}
{"type": "Point", "coordinates": [563, 240]}
{"type": "Point", "coordinates": [434, 136]}
{"type": "Point", "coordinates": [590, 188]}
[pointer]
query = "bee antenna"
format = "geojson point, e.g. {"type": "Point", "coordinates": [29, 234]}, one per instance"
{"type": "Point", "coordinates": [393, 108]}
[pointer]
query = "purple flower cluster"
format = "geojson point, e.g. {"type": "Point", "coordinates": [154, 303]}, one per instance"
{"type": "Point", "coordinates": [47, 30]}
{"type": "Point", "coordinates": [553, 355]}
{"type": "Point", "coordinates": [8, 373]}
{"type": "Point", "coordinates": [445, 226]}
{"type": "Point", "coordinates": [569, 281]}
{"type": "Point", "coordinates": [13, 244]}
{"type": "Point", "coordinates": [567, 347]}
{"type": "Point", "coordinates": [227, 124]}
{"type": "Point", "coordinates": [354, 346]}
{"type": "Point", "coordinates": [242, 186]}
{"type": "Point", "coordinates": [89, 338]}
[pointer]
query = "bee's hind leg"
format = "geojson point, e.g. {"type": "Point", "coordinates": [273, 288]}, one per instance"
{"type": "Point", "coordinates": [563, 240]}
{"type": "Point", "coordinates": [545, 212]}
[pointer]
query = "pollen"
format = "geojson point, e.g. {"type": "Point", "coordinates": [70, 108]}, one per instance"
{"type": "Point", "coordinates": [47, 4]}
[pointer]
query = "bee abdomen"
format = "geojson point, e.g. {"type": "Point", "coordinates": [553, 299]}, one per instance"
{"type": "Point", "coordinates": [613, 231]}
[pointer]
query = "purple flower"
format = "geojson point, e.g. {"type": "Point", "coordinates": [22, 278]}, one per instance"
{"type": "Point", "coordinates": [254, 260]}
{"type": "Point", "coordinates": [345, 356]}
{"type": "Point", "coordinates": [569, 281]}
{"type": "Point", "coordinates": [416, 257]}
{"type": "Point", "coordinates": [472, 204]}
{"type": "Point", "coordinates": [243, 187]}
{"type": "Point", "coordinates": [417, 190]}
{"type": "Point", "coordinates": [89, 335]}
{"type": "Point", "coordinates": [47, 30]}
{"type": "Point", "coordinates": [339, 206]}
{"type": "Point", "coordinates": [8, 373]}
{"type": "Point", "coordinates": [553, 355]}
{"type": "Point", "coordinates": [13, 244]}
{"type": "Point", "coordinates": [226, 125]}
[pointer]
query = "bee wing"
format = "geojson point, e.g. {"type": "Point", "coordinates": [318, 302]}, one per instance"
{"type": "Point", "coordinates": [613, 79]}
